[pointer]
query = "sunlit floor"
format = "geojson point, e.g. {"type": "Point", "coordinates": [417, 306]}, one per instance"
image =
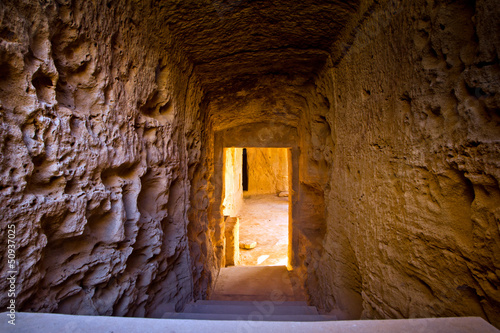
{"type": "Point", "coordinates": [264, 219]}
{"type": "Point", "coordinates": [274, 283]}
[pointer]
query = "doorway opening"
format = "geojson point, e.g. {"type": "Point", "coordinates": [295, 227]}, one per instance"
{"type": "Point", "coordinates": [245, 170]}
{"type": "Point", "coordinates": [257, 206]}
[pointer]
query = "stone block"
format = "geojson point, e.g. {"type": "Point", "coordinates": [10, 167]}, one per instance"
{"type": "Point", "coordinates": [232, 241]}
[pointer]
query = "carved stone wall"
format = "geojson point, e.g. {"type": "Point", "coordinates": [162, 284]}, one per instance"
{"type": "Point", "coordinates": [233, 183]}
{"type": "Point", "coordinates": [413, 204]}
{"type": "Point", "coordinates": [114, 116]}
{"type": "Point", "coordinates": [99, 124]}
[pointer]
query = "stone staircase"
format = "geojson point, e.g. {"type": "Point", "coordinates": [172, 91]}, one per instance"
{"type": "Point", "coordinates": [249, 311]}
{"type": "Point", "coordinates": [252, 293]}
{"type": "Point", "coordinates": [247, 300]}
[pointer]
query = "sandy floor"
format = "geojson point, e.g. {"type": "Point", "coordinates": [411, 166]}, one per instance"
{"type": "Point", "coordinates": [264, 219]}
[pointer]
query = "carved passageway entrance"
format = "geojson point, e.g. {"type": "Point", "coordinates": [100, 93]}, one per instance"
{"type": "Point", "coordinates": [256, 183]}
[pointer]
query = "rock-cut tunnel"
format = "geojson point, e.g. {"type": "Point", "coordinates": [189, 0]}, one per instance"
{"type": "Point", "coordinates": [115, 116]}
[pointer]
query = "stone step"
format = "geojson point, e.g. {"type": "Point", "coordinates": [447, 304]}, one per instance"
{"type": "Point", "coordinates": [254, 283]}
{"type": "Point", "coordinates": [52, 322]}
{"type": "Point", "coordinates": [264, 308]}
{"type": "Point", "coordinates": [248, 317]}
{"type": "Point", "coordinates": [249, 303]}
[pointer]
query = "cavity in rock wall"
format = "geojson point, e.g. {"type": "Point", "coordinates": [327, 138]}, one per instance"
{"type": "Point", "coordinates": [100, 125]}
{"type": "Point", "coordinates": [413, 205]}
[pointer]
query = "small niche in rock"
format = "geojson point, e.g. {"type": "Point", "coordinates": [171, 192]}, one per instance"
{"type": "Point", "coordinates": [5, 74]}
{"type": "Point", "coordinates": [436, 111]}
{"type": "Point", "coordinates": [72, 186]}
{"type": "Point", "coordinates": [158, 107]}
{"type": "Point", "coordinates": [166, 108]}
{"type": "Point", "coordinates": [43, 85]}
{"type": "Point", "coordinates": [7, 34]}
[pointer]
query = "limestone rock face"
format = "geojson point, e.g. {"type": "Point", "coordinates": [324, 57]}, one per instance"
{"type": "Point", "coordinates": [413, 205]}
{"type": "Point", "coordinates": [232, 235]}
{"type": "Point", "coordinates": [399, 161]}
{"type": "Point", "coordinates": [99, 122]}
{"type": "Point", "coordinates": [267, 170]}
{"type": "Point", "coordinates": [233, 186]}
{"type": "Point", "coordinates": [111, 120]}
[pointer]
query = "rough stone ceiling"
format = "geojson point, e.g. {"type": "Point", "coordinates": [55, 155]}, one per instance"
{"type": "Point", "coordinates": [232, 43]}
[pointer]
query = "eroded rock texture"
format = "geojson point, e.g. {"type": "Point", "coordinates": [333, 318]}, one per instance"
{"type": "Point", "coordinates": [99, 126]}
{"type": "Point", "coordinates": [413, 206]}
{"type": "Point", "coordinates": [110, 112]}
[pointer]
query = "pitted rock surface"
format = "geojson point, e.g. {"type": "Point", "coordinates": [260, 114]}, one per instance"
{"type": "Point", "coordinates": [109, 112]}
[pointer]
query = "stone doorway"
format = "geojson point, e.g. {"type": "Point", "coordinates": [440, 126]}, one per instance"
{"type": "Point", "coordinates": [229, 144]}
{"type": "Point", "coordinates": [256, 183]}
